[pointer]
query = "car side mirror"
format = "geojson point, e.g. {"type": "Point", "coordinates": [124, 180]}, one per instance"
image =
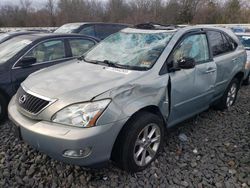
{"type": "Point", "coordinates": [27, 61]}
{"type": "Point", "coordinates": [186, 63]}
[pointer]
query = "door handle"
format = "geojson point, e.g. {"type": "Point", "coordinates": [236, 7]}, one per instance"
{"type": "Point", "coordinates": [210, 70]}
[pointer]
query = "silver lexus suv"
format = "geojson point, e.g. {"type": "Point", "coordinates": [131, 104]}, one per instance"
{"type": "Point", "coordinates": [116, 101]}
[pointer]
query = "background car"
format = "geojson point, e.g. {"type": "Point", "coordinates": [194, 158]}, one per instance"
{"type": "Point", "coordinates": [245, 40]}
{"type": "Point", "coordinates": [9, 35]}
{"type": "Point", "coordinates": [98, 30]}
{"type": "Point", "coordinates": [23, 55]}
{"type": "Point", "coordinates": [238, 29]}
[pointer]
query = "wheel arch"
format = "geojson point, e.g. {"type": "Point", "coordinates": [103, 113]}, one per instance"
{"type": "Point", "coordinates": [150, 109]}
{"type": "Point", "coordinates": [239, 76]}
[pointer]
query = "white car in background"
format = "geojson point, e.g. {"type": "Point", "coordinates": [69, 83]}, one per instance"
{"type": "Point", "coordinates": [245, 40]}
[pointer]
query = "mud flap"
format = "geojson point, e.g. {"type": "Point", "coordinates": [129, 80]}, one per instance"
{"type": "Point", "coordinates": [17, 133]}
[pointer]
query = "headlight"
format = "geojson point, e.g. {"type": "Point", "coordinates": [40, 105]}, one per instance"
{"type": "Point", "coordinates": [81, 115]}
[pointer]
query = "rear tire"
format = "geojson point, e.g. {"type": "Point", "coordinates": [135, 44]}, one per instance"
{"type": "Point", "coordinates": [229, 97]}
{"type": "Point", "coordinates": [139, 142]}
{"type": "Point", "coordinates": [3, 107]}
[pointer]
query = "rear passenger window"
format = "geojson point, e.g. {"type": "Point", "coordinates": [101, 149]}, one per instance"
{"type": "Point", "coordinates": [80, 46]}
{"type": "Point", "coordinates": [221, 43]}
{"type": "Point", "coordinates": [216, 42]}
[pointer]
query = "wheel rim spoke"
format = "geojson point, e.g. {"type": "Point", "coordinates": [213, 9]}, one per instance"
{"type": "Point", "coordinates": [155, 139]}
{"type": "Point", "coordinates": [139, 142]}
{"type": "Point", "coordinates": [151, 152]}
{"type": "Point", "coordinates": [152, 132]}
{"type": "Point", "coordinates": [145, 133]}
{"type": "Point", "coordinates": [139, 152]}
{"type": "Point", "coordinates": [231, 95]}
{"type": "Point", "coordinates": [143, 159]}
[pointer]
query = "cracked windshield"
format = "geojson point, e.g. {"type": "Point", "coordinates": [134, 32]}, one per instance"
{"type": "Point", "coordinates": [130, 49]}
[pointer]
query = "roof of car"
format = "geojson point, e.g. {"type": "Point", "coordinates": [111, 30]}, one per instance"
{"type": "Point", "coordinates": [16, 33]}
{"type": "Point", "coordinates": [146, 31]}
{"type": "Point", "coordinates": [42, 36]}
{"type": "Point", "coordinates": [103, 23]}
{"type": "Point", "coordinates": [155, 27]}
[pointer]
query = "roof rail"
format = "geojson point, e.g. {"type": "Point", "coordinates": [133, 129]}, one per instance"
{"type": "Point", "coordinates": [156, 26]}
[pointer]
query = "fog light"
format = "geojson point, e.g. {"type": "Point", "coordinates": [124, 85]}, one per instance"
{"type": "Point", "coordinates": [81, 153]}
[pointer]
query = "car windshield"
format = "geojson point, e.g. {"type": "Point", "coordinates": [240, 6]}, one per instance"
{"type": "Point", "coordinates": [245, 40]}
{"type": "Point", "coordinates": [131, 48]}
{"type": "Point", "coordinates": [11, 47]}
{"type": "Point", "coordinates": [68, 28]}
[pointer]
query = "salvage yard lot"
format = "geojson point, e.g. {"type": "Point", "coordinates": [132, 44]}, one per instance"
{"type": "Point", "coordinates": [215, 154]}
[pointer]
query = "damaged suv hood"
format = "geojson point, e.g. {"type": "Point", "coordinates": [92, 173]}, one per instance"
{"type": "Point", "coordinates": [77, 81]}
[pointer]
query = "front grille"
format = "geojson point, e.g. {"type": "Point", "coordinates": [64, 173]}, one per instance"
{"type": "Point", "coordinates": [29, 102]}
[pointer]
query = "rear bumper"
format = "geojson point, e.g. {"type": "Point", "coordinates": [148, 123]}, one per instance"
{"type": "Point", "coordinates": [54, 139]}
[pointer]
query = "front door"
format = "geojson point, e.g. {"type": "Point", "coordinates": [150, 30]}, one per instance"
{"type": "Point", "coordinates": [46, 54]}
{"type": "Point", "coordinates": [191, 89]}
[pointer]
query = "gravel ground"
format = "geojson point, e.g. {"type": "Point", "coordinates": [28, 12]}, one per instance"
{"type": "Point", "coordinates": [215, 154]}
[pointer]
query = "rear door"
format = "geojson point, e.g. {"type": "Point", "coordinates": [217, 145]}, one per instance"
{"type": "Point", "coordinates": [191, 89]}
{"type": "Point", "coordinates": [225, 57]}
{"type": "Point", "coordinates": [46, 53]}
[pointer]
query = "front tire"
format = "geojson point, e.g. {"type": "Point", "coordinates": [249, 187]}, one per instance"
{"type": "Point", "coordinates": [3, 107]}
{"type": "Point", "coordinates": [139, 142]}
{"type": "Point", "coordinates": [229, 97]}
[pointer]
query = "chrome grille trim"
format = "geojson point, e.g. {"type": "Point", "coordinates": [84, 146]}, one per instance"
{"type": "Point", "coordinates": [35, 103]}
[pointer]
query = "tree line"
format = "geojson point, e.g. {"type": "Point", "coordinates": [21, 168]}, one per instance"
{"type": "Point", "coordinates": [58, 12]}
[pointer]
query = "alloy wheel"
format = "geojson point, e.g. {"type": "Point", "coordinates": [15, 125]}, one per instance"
{"type": "Point", "coordinates": [147, 144]}
{"type": "Point", "coordinates": [231, 95]}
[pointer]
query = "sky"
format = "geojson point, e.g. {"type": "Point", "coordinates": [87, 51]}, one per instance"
{"type": "Point", "coordinates": [35, 3]}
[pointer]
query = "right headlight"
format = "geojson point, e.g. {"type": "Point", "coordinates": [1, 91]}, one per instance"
{"type": "Point", "coordinates": [81, 115]}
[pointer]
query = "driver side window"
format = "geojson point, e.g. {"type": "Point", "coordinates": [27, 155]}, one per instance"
{"type": "Point", "coordinates": [48, 51]}
{"type": "Point", "coordinates": [195, 47]}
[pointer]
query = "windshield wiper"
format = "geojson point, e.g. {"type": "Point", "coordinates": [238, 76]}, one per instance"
{"type": "Point", "coordinates": [112, 64]}
{"type": "Point", "coordinates": [82, 58]}
{"type": "Point", "coordinates": [117, 65]}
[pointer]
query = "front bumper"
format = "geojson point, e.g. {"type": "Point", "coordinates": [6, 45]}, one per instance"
{"type": "Point", "coordinates": [54, 139]}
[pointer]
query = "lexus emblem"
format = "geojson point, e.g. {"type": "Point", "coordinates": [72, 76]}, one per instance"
{"type": "Point", "coordinates": [22, 99]}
